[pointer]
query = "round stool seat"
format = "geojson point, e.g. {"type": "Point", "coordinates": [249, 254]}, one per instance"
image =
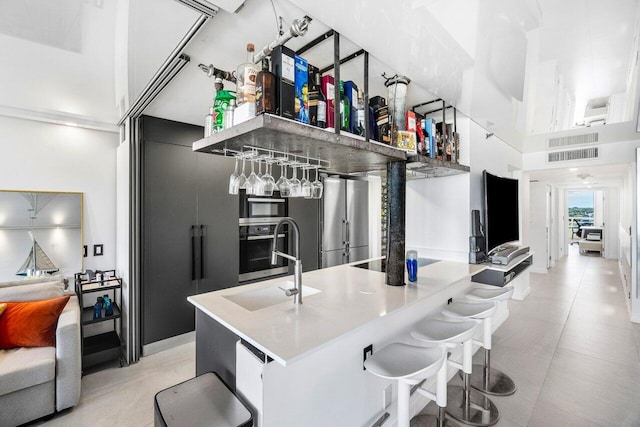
{"type": "Point", "coordinates": [437, 331]}
{"type": "Point", "coordinates": [484, 294]}
{"type": "Point", "coordinates": [469, 310]}
{"type": "Point", "coordinates": [403, 361]}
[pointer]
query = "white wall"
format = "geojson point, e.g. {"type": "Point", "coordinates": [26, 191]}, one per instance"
{"type": "Point", "coordinates": [42, 156]}
{"type": "Point", "coordinates": [537, 223]}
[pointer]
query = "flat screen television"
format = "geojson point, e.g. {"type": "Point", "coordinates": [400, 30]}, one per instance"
{"type": "Point", "coordinates": [501, 212]}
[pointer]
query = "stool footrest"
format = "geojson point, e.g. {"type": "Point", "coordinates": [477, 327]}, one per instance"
{"type": "Point", "coordinates": [496, 382]}
{"type": "Point", "coordinates": [479, 411]}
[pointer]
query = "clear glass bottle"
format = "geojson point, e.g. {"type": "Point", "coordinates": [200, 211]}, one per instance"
{"type": "Point", "coordinates": [246, 79]}
{"type": "Point", "coordinates": [345, 109]}
{"type": "Point", "coordinates": [317, 103]}
{"type": "Point", "coordinates": [265, 90]}
{"type": "Point", "coordinates": [228, 114]}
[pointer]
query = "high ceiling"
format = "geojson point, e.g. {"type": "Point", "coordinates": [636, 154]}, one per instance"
{"type": "Point", "coordinates": [89, 59]}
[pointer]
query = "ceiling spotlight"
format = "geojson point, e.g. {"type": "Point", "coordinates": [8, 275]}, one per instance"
{"type": "Point", "coordinates": [573, 169]}
{"type": "Point", "coordinates": [585, 182]}
{"type": "Point", "coordinates": [488, 135]}
{"type": "Point", "coordinates": [589, 186]}
{"type": "Point", "coordinates": [583, 175]}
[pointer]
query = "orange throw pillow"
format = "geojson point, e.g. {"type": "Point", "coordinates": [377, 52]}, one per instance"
{"type": "Point", "coordinates": [31, 323]}
{"type": "Point", "coordinates": [2, 307]}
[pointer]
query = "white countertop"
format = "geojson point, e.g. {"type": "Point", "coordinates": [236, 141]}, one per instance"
{"type": "Point", "coordinates": [350, 297]}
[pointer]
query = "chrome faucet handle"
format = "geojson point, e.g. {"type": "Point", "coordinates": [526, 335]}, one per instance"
{"type": "Point", "coordinates": [289, 292]}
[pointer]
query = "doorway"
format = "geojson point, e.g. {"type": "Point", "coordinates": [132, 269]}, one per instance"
{"type": "Point", "coordinates": [585, 208]}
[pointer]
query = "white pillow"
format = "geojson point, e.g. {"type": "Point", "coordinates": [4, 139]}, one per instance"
{"type": "Point", "coordinates": [33, 292]}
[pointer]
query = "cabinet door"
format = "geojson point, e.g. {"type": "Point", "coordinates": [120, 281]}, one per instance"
{"type": "Point", "coordinates": [218, 217]}
{"type": "Point", "coordinates": [169, 212]}
{"type": "Point", "coordinates": [306, 214]}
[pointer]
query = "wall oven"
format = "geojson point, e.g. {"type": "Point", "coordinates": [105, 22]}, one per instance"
{"type": "Point", "coordinates": [257, 221]}
{"type": "Point", "coordinates": [266, 208]}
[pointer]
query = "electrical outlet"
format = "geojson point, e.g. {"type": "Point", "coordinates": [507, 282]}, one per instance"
{"type": "Point", "coordinates": [449, 301]}
{"type": "Point", "coordinates": [366, 352]}
{"type": "Point", "coordinates": [386, 396]}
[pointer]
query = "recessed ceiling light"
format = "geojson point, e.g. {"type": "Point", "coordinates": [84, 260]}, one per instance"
{"type": "Point", "coordinates": [585, 182]}
{"type": "Point", "coordinates": [573, 169]}
{"type": "Point", "coordinates": [589, 186]}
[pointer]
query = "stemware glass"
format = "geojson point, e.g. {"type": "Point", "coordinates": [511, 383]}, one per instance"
{"type": "Point", "coordinates": [269, 182]}
{"type": "Point", "coordinates": [317, 185]}
{"type": "Point", "coordinates": [254, 183]}
{"type": "Point", "coordinates": [307, 186]}
{"type": "Point", "coordinates": [241, 182]}
{"type": "Point", "coordinates": [283, 176]}
{"type": "Point", "coordinates": [233, 189]}
{"type": "Point", "coordinates": [294, 182]}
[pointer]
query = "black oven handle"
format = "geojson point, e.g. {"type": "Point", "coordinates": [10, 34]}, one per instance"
{"type": "Point", "coordinates": [257, 200]}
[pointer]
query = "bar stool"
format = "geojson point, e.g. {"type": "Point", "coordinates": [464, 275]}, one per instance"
{"type": "Point", "coordinates": [465, 404]}
{"type": "Point", "coordinates": [446, 335]}
{"type": "Point", "coordinates": [485, 378]}
{"type": "Point", "coordinates": [408, 365]}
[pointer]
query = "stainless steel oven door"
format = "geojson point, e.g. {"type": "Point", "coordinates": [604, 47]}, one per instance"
{"type": "Point", "coordinates": [255, 253]}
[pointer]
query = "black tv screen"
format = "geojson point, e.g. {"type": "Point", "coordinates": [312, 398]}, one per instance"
{"type": "Point", "coordinates": [500, 210]}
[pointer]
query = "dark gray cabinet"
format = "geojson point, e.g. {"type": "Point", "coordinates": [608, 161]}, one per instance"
{"type": "Point", "coordinates": [189, 227]}
{"type": "Point", "coordinates": [306, 214]}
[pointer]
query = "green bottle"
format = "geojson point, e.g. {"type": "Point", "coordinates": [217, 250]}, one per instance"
{"type": "Point", "coordinates": [222, 100]}
{"type": "Point", "coordinates": [345, 109]}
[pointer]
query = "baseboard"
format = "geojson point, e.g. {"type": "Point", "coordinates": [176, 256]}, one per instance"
{"type": "Point", "coordinates": [520, 296]}
{"type": "Point", "coordinates": [166, 344]}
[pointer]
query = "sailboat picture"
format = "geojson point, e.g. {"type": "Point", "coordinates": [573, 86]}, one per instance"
{"type": "Point", "coordinates": [37, 261]}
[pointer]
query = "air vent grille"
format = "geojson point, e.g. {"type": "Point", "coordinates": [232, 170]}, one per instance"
{"type": "Point", "coordinates": [563, 156]}
{"type": "Point", "coordinates": [588, 138]}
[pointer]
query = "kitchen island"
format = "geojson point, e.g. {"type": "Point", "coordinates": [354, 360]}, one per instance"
{"type": "Point", "coordinates": [302, 364]}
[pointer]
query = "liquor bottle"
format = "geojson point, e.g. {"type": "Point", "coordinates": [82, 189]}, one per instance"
{"type": "Point", "coordinates": [361, 113]}
{"type": "Point", "coordinates": [317, 102]}
{"type": "Point", "coordinates": [345, 109]}
{"type": "Point", "coordinates": [246, 79]}
{"type": "Point", "coordinates": [228, 114]}
{"type": "Point", "coordinates": [265, 90]}
{"type": "Point", "coordinates": [208, 123]}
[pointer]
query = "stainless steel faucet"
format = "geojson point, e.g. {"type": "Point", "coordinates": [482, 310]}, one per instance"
{"type": "Point", "coordinates": [297, 269]}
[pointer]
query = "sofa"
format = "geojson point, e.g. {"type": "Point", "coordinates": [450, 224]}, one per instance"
{"type": "Point", "coordinates": [39, 381]}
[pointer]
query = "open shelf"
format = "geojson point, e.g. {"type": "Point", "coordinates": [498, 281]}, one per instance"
{"type": "Point", "coordinates": [87, 315]}
{"type": "Point", "coordinates": [426, 167]}
{"type": "Point", "coordinates": [347, 153]}
{"type": "Point", "coordinates": [100, 348]}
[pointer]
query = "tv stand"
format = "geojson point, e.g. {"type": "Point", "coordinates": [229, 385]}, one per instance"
{"type": "Point", "coordinates": [500, 275]}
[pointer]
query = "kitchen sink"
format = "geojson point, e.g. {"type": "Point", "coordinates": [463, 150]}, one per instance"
{"type": "Point", "coordinates": [257, 299]}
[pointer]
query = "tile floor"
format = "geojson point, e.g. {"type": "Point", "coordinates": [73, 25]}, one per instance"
{"type": "Point", "coordinates": [569, 346]}
{"type": "Point", "coordinates": [571, 350]}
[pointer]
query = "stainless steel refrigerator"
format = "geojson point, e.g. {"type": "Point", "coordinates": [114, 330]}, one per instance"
{"type": "Point", "coordinates": [345, 221]}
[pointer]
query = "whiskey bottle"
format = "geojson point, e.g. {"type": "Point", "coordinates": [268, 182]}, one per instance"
{"type": "Point", "coordinates": [265, 90]}
{"type": "Point", "coordinates": [246, 79]}
{"type": "Point", "coordinates": [345, 109]}
{"type": "Point", "coordinates": [317, 103]}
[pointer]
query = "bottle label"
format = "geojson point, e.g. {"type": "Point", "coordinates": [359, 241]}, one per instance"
{"type": "Point", "coordinates": [288, 68]}
{"type": "Point", "coordinates": [330, 92]}
{"type": "Point", "coordinates": [249, 87]}
{"type": "Point", "coordinates": [322, 111]}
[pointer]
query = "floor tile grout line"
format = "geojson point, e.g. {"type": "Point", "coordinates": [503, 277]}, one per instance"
{"type": "Point", "coordinates": [555, 350]}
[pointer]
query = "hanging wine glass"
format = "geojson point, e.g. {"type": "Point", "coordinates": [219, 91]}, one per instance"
{"type": "Point", "coordinates": [233, 189]}
{"type": "Point", "coordinates": [307, 186]}
{"type": "Point", "coordinates": [254, 183]}
{"type": "Point", "coordinates": [294, 182]}
{"type": "Point", "coordinates": [283, 177]}
{"type": "Point", "coordinates": [241, 182]}
{"type": "Point", "coordinates": [317, 185]}
{"type": "Point", "coordinates": [269, 182]}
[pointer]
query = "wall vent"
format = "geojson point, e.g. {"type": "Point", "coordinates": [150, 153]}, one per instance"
{"type": "Point", "coordinates": [563, 156]}
{"type": "Point", "coordinates": [587, 138]}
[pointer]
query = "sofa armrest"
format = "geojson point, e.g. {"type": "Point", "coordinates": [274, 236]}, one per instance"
{"type": "Point", "coordinates": [68, 356]}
